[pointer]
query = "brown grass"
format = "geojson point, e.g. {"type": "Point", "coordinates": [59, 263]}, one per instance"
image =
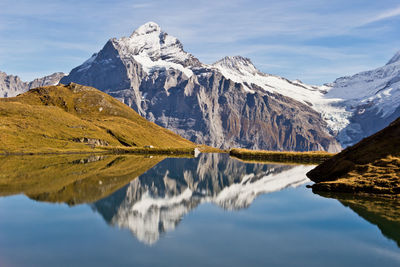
{"type": "Point", "coordinates": [379, 177]}
{"type": "Point", "coordinates": [72, 179]}
{"type": "Point", "coordinates": [371, 166]}
{"type": "Point", "coordinates": [209, 149]}
{"type": "Point", "coordinates": [310, 157]}
{"type": "Point", "coordinates": [53, 119]}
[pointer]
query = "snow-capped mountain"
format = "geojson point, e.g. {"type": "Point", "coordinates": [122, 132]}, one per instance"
{"type": "Point", "coordinates": [229, 103]}
{"type": "Point", "coordinates": [154, 49]}
{"type": "Point", "coordinates": [371, 100]}
{"type": "Point", "coordinates": [353, 107]}
{"type": "Point", "coordinates": [241, 70]}
{"type": "Point", "coordinates": [158, 200]}
{"type": "Point", "coordinates": [11, 85]}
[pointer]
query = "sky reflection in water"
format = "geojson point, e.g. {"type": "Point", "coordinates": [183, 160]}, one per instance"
{"type": "Point", "coordinates": [212, 210]}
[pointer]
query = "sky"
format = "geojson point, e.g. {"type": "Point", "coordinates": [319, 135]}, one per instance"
{"type": "Point", "coordinates": [315, 41]}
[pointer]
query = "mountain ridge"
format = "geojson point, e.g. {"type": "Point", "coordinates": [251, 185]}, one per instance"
{"type": "Point", "coordinates": [11, 85]}
{"type": "Point", "coordinates": [150, 72]}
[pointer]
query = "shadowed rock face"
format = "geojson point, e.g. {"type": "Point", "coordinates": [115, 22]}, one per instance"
{"type": "Point", "coordinates": [12, 85]}
{"type": "Point", "coordinates": [150, 72]}
{"type": "Point", "coordinates": [157, 201]}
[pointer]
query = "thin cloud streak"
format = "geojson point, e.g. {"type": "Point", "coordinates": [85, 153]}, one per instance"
{"type": "Point", "coordinates": [262, 30]}
{"type": "Point", "coordinates": [385, 15]}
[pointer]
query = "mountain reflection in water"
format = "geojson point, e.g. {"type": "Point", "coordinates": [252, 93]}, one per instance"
{"type": "Point", "coordinates": [156, 201]}
{"type": "Point", "coordinates": [382, 212]}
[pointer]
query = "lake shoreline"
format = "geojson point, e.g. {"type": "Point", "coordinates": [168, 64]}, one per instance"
{"type": "Point", "coordinates": [309, 157]}
{"type": "Point", "coordinates": [111, 151]}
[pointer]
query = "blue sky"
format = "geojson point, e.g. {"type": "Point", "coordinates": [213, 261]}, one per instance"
{"type": "Point", "coordinates": [315, 41]}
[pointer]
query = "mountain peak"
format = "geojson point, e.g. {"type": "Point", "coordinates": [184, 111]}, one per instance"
{"type": "Point", "coordinates": [149, 44]}
{"type": "Point", "coordinates": [147, 28]}
{"type": "Point", "coordinates": [238, 64]}
{"type": "Point", "coordinates": [394, 59]}
{"type": "Point", "coordinates": [235, 60]}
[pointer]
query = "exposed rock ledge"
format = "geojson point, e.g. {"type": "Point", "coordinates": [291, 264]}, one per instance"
{"type": "Point", "coordinates": [91, 141]}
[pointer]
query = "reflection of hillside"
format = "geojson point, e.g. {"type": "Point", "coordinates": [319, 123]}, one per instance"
{"type": "Point", "coordinates": [382, 212]}
{"type": "Point", "coordinates": [72, 179]}
{"type": "Point", "coordinates": [157, 200]}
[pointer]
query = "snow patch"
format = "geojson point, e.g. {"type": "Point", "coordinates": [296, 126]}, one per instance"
{"type": "Point", "coordinates": [148, 65]}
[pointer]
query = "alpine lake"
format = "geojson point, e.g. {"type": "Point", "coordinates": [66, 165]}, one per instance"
{"type": "Point", "coordinates": [212, 210]}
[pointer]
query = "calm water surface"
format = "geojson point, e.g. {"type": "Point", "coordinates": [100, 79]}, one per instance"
{"type": "Point", "coordinates": [209, 211]}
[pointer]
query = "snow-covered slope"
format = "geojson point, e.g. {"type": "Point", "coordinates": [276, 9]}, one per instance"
{"type": "Point", "coordinates": [153, 49]}
{"type": "Point", "coordinates": [242, 70]}
{"type": "Point", "coordinates": [231, 103]}
{"type": "Point", "coordinates": [353, 107]}
{"type": "Point", "coordinates": [371, 98]}
{"type": "Point", "coordinates": [227, 104]}
{"type": "Point", "coordinates": [158, 200]}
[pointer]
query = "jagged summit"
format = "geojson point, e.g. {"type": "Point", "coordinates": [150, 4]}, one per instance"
{"type": "Point", "coordinates": [394, 59]}
{"type": "Point", "coordinates": [147, 28]}
{"type": "Point", "coordinates": [152, 73]}
{"type": "Point", "coordinates": [152, 47]}
{"type": "Point", "coordinates": [238, 64]}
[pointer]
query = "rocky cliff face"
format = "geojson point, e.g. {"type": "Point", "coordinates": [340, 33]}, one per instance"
{"type": "Point", "coordinates": [371, 100]}
{"type": "Point", "coordinates": [150, 72]}
{"type": "Point", "coordinates": [156, 201]}
{"type": "Point", "coordinates": [11, 86]}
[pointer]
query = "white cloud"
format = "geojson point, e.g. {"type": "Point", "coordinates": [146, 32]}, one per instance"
{"type": "Point", "coordinates": [262, 30]}
{"type": "Point", "coordinates": [390, 13]}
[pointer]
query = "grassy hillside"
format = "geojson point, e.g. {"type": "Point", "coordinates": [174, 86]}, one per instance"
{"type": "Point", "coordinates": [71, 118]}
{"type": "Point", "coordinates": [72, 179]}
{"type": "Point", "coordinates": [371, 166]}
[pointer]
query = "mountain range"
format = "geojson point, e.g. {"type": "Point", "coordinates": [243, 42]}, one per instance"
{"type": "Point", "coordinates": [11, 85]}
{"type": "Point", "coordinates": [157, 201]}
{"type": "Point", "coordinates": [231, 103]}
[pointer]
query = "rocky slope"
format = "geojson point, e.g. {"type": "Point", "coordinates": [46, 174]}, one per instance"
{"type": "Point", "coordinates": [157, 201]}
{"type": "Point", "coordinates": [76, 118]}
{"type": "Point", "coordinates": [210, 104]}
{"type": "Point", "coordinates": [370, 166]}
{"type": "Point", "coordinates": [370, 99]}
{"type": "Point", "coordinates": [224, 104]}
{"type": "Point", "coordinates": [12, 85]}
